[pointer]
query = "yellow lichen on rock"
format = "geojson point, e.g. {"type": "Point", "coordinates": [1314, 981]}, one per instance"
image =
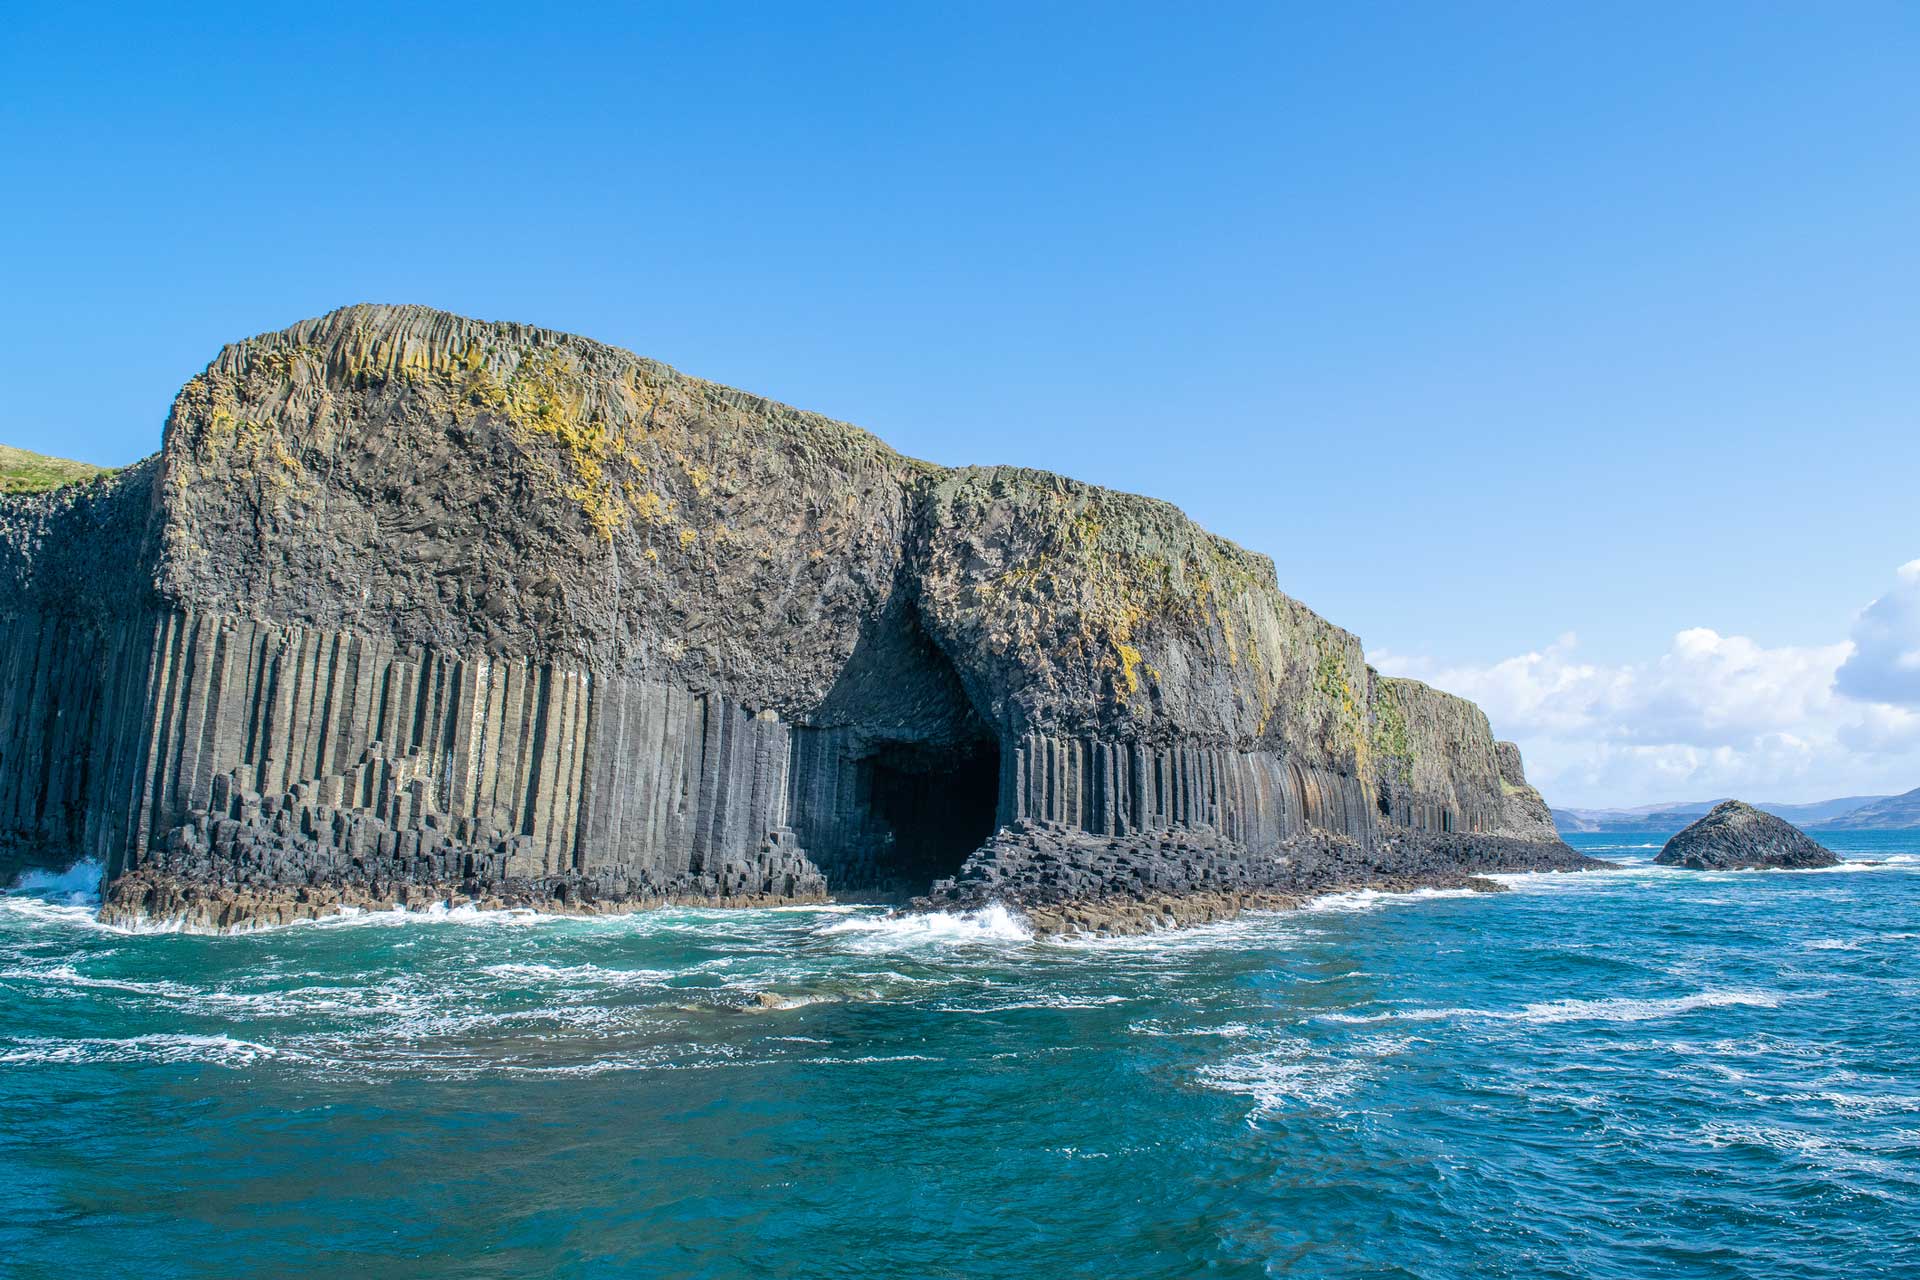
{"type": "Point", "coordinates": [546, 401]}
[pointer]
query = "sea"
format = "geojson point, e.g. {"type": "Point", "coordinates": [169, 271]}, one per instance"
{"type": "Point", "coordinates": [1635, 1072]}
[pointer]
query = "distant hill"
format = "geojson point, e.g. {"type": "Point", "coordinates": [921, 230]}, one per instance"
{"type": "Point", "coordinates": [23, 472]}
{"type": "Point", "coordinates": [1888, 812]}
{"type": "Point", "coordinates": [1672, 816]}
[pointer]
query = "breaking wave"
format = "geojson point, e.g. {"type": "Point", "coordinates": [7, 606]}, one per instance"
{"type": "Point", "coordinates": [78, 885]}
{"type": "Point", "coordinates": [991, 925]}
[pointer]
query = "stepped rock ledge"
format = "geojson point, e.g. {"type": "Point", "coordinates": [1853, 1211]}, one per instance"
{"type": "Point", "coordinates": [411, 608]}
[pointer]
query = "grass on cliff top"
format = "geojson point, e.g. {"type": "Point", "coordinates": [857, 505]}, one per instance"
{"type": "Point", "coordinates": [23, 472]}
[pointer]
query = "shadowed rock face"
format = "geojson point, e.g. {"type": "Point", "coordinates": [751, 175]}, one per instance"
{"type": "Point", "coordinates": [410, 605]}
{"type": "Point", "coordinates": [1735, 836]}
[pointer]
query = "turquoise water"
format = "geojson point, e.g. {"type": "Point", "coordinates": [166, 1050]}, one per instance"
{"type": "Point", "coordinates": [1628, 1073]}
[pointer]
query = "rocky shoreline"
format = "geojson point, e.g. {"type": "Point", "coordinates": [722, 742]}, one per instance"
{"type": "Point", "coordinates": [1058, 881]}
{"type": "Point", "coordinates": [148, 900]}
{"type": "Point", "coordinates": [1123, 917]}
{"type": "Point", "coordinates": [1063, 881]}
{"type": "Point", "coordinates": [155, 900]}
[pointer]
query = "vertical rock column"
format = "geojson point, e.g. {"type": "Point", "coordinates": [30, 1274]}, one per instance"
{"type": "Point", "coordinates": [500, 748]}
{"type": "Point", "coordinates": [586, 775]}
{"type": "Point", "coordinates": [71, 701]}
{"type": "Point", "coordinates": [1256, 798]}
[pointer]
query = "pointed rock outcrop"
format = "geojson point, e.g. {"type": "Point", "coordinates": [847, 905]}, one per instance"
{"type": "Point", "coordinates": [1736, 836]}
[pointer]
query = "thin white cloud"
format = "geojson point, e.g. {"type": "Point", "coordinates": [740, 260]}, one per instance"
{"type": "Point", "coordinates": [1713, 715]}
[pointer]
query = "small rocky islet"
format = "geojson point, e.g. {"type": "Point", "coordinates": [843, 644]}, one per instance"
{"type": "Point", "coordinates": [1735, 836]}
{"type": "Point", "coordinates": [412, 608]}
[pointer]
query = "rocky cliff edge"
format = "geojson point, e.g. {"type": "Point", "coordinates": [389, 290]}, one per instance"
{"type": "Point", "coordinates": [412, 606]}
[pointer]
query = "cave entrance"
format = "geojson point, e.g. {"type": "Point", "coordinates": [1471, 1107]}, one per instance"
{"type": "Point", "coordinates": [930, 808]}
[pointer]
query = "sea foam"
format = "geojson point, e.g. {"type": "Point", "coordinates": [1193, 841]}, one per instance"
{"type": "Point", "coordinates": [992, 924]}
{"type": "Point", "coordinates": [78, 885]}
{"type": "Point", "coordinates": [1614, 1009]}
{"type": "Point", "coordinates": [220, 1050]}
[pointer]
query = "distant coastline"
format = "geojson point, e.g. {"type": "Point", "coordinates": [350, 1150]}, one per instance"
{"type": "Point", "coordinates": [1848, 813]}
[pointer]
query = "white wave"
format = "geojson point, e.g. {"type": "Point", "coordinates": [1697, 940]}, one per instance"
{"type": "Point", "coordinates": [1857, 943]}
{"type": "Point", "coordinates": [1226, 1030]}
{"type": "Point", "coordinates": [579, 974]}
{"type": "Point", "coordinates": [67, 897]}
{"type": "Point", "coordinates": [1627, 1009]}
{"type": "Point", "coordinates": [1594, 877]}
{"type": "Point", "coordinates": [990, 924]}
{"type": "Point", "coordinates": [221, 1050]}
{"type": "Point", "coordinates": [1855, 1105]}
{"type": "Point", "coordinates": [1281, 1077]}
{"type": "Point", "coordinates": [349, 917]}
{"type": "Point", "coordinates": [1759, 1048]}
{"type": "Point", "coordinates": [1650, 874]}
{"type": "Point", "coordinates": [39, 912]}
{"type": "Point", "coordinates": [1848, 863]}
{"type": "Point", "coordinates": [594, 1067]}
{"type": "Point", "coordinates": [66, 977]}
{"type": "Point", "coordinates": [1616, 1009]}
{"type": "Point", "coordinates": [665, 920]}
{"type": "Point", "coordinates": [78, 885]}
{"type": "Point", "coordinates": [1832, 1153]}
{"type": "Point", "coordinates": [1356, 900]}
{"type": "Point", "coordinates": [1038, 1002]}
{"type": "Point", "coordinates": [1290, 1072]}
{"type": "Point", "coordinates": [437, 913]}
{"type": "Point", "coordinates": [1406, 1015]}
{"type": "Point", "coordinates": [431, 913]}
{"type": "Point", "coordinates": [381, 1000]}
{"type": "Point", "coordinates": [1870, 1104]}
{"type": "Point", "coordinates": [1235, 933]}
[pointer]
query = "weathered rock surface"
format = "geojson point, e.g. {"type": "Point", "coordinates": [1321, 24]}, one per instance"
{"type": "Point", "coordinates": [1735, 836]}
{"type": "Point", "coordinates": [1065, 881]}
{"type": "Point", "coordinates": [413, 607]}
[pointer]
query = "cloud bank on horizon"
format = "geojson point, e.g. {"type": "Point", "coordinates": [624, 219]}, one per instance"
{"type": "Point", "coordinates": [1712, 716]}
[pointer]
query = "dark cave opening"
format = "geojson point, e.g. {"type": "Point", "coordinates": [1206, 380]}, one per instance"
{"type": "Point", "coordinates": [930, 808]}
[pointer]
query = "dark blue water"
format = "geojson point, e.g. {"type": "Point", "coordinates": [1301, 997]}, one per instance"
{"type": "Point", "coordinates": [1630, 1073]}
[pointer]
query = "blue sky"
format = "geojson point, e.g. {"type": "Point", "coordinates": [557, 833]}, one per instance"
{"type": "Point", "coordinates": [1494, 325]}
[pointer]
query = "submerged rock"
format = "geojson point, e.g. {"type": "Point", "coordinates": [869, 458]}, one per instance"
{"type": "Point", "coordinates": [1735, 836]}
{"type": "Point", "coordinates": [416, 608]}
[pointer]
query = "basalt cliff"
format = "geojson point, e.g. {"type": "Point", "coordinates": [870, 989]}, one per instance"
{"type": "Point", "coordinates": [413, 608]}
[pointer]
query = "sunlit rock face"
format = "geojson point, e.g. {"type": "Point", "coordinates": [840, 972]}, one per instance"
{"type": "Point", "coordinates": [410, 605]}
